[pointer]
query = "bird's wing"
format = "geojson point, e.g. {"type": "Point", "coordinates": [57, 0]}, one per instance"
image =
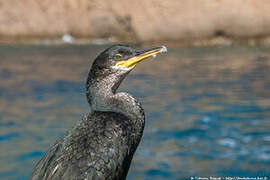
{"type": "Point", "coordinates": [96, 148]}
{"type": "Point", "coordinates": [41, 168]}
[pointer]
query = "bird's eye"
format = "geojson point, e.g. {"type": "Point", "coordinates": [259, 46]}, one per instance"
{"type": "Point", "coordinates": [117, 57]}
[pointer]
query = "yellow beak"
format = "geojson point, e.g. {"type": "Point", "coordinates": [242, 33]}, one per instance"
{"type": "Point", "coordinates": [141, 56]}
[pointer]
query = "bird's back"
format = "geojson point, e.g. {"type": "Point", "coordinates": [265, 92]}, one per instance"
{"type": "Point", "coordinates": [100, 146]}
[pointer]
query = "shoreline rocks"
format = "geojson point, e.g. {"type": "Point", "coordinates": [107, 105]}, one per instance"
{"type": "Point", "coordinates": [139, 21]}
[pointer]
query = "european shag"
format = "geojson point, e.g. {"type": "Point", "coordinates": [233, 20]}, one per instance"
{"type": "Point", "coordinates": [101, 145]}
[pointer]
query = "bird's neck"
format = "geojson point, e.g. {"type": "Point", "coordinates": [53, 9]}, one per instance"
{"type": "Point", "coordinates": [102, 96]}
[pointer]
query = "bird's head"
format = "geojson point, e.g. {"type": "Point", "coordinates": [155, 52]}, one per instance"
{"type": "Point", "coordinates": [119, 60]}
{"type": "Point", "coordinates": [112, 66]}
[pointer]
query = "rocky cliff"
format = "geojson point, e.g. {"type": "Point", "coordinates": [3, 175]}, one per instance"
{"type": "Point", "coordinates": [136, 21]}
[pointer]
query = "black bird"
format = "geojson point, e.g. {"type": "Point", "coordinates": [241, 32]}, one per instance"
{"type": "Point", "coordinates": [101, 145]}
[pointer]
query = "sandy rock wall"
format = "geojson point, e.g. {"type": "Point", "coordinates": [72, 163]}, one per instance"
{"type": "Point", "coordinates": [129, 20]}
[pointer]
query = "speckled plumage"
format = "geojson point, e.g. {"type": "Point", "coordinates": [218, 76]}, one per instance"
{"type": "Point", "coordinates": [101, 145]}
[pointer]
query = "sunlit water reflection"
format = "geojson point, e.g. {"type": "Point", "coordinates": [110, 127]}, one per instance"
{"type": "Point", "coordinates": [208, 109]}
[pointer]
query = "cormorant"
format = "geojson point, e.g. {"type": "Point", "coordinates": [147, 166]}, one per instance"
{"type": "Point", "coordinates": [101, 145]}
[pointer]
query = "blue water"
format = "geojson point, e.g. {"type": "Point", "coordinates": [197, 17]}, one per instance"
{"type": "Point", "coordinates": [207, 108]}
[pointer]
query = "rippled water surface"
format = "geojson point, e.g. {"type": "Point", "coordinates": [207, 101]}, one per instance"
{"type": "Point", "coordinates": [208, 109]}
